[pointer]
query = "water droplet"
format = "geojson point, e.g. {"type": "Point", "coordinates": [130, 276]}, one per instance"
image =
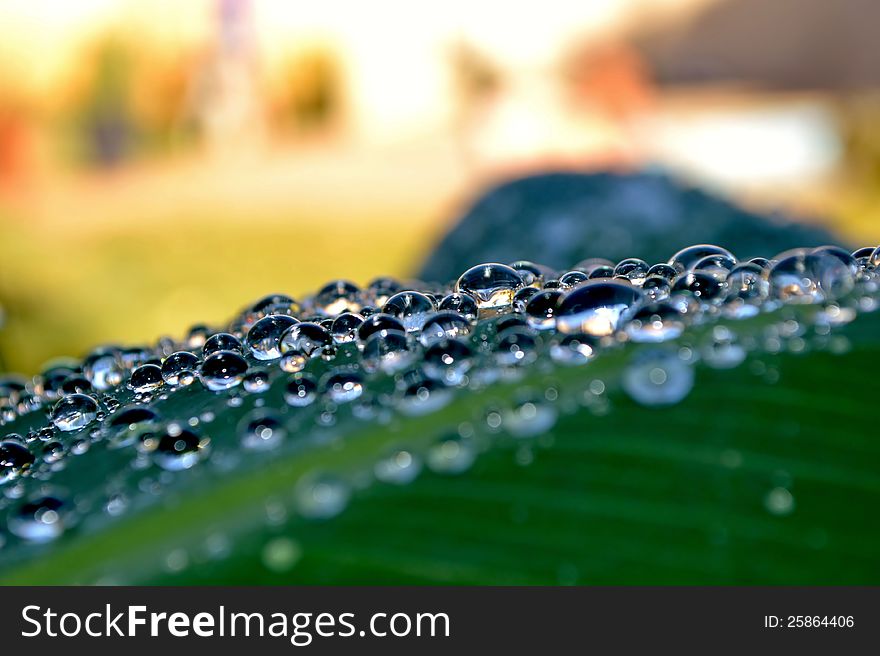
{"type": "Point", "coordinates": [833, 270]}
{"type": "Point", "coordinates": [15, 459]}
{"type": "Point", "coordinates": [451, 454]}
{"type": "Point", "coordinates": [656, 288]}
{"type": "Point", "coordinates": [719, 263]}
{"type": "Point", "coordinates": [222, 370]}
{"type": "Point", "coordinates": [516, 347]}
{"type": "Point", "coordinates": [444, 325]}
{"type": "Point", "coordinates": [533, 275]}
{"type": "Point", "coordinates": [178, 448]}
{"type": "Point", "coordinates": [262, 430]}
{"type": "Point", "coordinates": [747, 289]}
{"type": "Point", "coordinates": [633, 269]}
{"type": "Point", "coordinates": [779, 501]}
{"type": "Point", "coordinates": [789, 279]}
{"type": "Point", "coordinates": [541, 309]}
{"type": "Point", "coordinates": [422, 395]}
{"type": "Point", "coordinates": [304, 339]}
{"type": "Point", "coordinates": [345, 327]}
{"type": "Point", "coordinates": [262, 339]}
{"type": "Point", "coordinates": [572, 279]}
{"type": "Point", "coordinates": [448, 360]}
{"type": "Point", "coordinates": [322, 497]}
{"type": "Point", "coordinates": [146, 378]}
{"type": "Point", "coordinates": [659, 322]}
{"type": "Point", "coordinates": [178, 364]}
{"type": "Point", "coordinates": [52, 452]}
{"type": "Point", "coordinates": [399, 468]}
{"type": "Point", "coordinates": [74, 411]}
{"type": "Point", "coordinates": [665, 271]}
{"type": "Point", "coordinates": [272, 304]}
{"type": "Point", "coordinates": [256, 381]}
{"type": "Point", "coordinates": [281, 554]}
{"type": "Point", "coordinates": [127, 425]}
{"type": "Point", "coordinates": [103, 368]}
{"type": "Point", "coordinates": [597, 307]}
{"type": "Point", "coordinates": [344, 387]}
{"type": "Point", "coordinates": [709, 287]}
{"type": "Point", "coordinates": [530, 418]}
{"type": "Point", "coordinates": [686, 258]}
{"type": "Point", "coordinates": [492, 286]}
{"type": "Point", "coordinates": [221, 342]}
{"type": "Point", "coordinates": [411, 308]}
{"type": "Point", "coordinates": [386, 351]}
{"type": "Point", "coordinates": [39, 520]}
{"type": "Point", "coordinates": [337, 297]}
{"type": "Point", "coordinates": [463, 304]}
{"type": "Point", "coordinates": [574, 350]}
{"type": "Point", "coordinates": [301, 390]}
{"type": "Point", "coordinates": [658, 378]}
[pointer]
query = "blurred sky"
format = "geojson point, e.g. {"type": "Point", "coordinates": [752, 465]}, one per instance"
{"type": "Point", "coordinates": [165, 162]}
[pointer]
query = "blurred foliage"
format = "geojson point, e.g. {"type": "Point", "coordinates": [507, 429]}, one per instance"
{"type": "Point", "coordinates": [559, 219]}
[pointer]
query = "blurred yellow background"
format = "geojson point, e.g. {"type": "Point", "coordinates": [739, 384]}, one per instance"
{"type": "Point", "coordinates": [162, 162]}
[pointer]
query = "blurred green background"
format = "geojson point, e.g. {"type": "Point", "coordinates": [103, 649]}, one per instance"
{"type": "Point", "coordinates": [269, 145]}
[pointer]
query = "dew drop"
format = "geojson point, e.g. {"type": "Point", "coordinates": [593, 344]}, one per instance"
{"type": "Point", "coordinates": [492, 286]}
{"type": "Point", "coordinates": [399, 468]}
{"type": "Point", "coordinates": [74, 411]}
{"type": "Point", "coordinates": [15, 460]}
{"type": "Point", "coordinates": [39, 520]}
{"type": "Point", "coordinates": [344, 387]}
{"type": "Point", "coordinates": [177, 449]}
{"type": "Point", "coordinates": [598, 307]}
{"type": "Point", "coordinates": [301, 390]}
{"type": "Point", "coordinates": [262, 430]}
{"type": "Point", "coordinates": [222, 370]}
{"type": "Point", "coordinates": [262, 339]}
{"type": "Point", "coordinates": [146, 378]}
{"type": "Point", "coordinates": [411, 308]}
{"type": "Point", "coordinates": [322, 497]}
{"type": "Point", "coordinates": [658, 378]}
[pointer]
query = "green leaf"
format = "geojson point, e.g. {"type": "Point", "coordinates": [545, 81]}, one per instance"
{"type": "Point", "coordinates": [766, 473]}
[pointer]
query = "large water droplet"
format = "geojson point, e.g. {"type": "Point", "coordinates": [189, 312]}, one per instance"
{"type": "Point", "coordinates": [222, 370]}
{"type": "Point", "coordinates": [305, 339]}
{"type": "Point", "coordinates": [598, 307]}
{"type": "Point", "coordinates": [463, 304]}
{"type": "Point", "coordinates": [15, 459]}
{"type": "Point", "coordinates": [146, 378]}
{"type": "Point", "coordinates": [686, 258]}
{"type": "Point", "coordinates": [492, 286]}
{"type": "Point", "coordinates": [411, 308]}
{"type": "Point", "coordinates": [262, 339]}
{"type": "Point", "coordinates": [386, 351]}
{"type": "Point", "coordinates": [337, 297]}
{"type": "Point", "coordinates": [221, 342]}
{"type": "Point", "coordinates": [541, 309]}
{"type": "Point", "coordinates": [177, 364]}
{"type": "Point", "coordinates": [444, 325]}
{"type": "Point", "coordinates": [74, 411]}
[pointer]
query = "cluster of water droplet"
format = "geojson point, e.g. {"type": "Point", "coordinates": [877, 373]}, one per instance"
{"type": "Point", "coordinates": [282, 368]}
